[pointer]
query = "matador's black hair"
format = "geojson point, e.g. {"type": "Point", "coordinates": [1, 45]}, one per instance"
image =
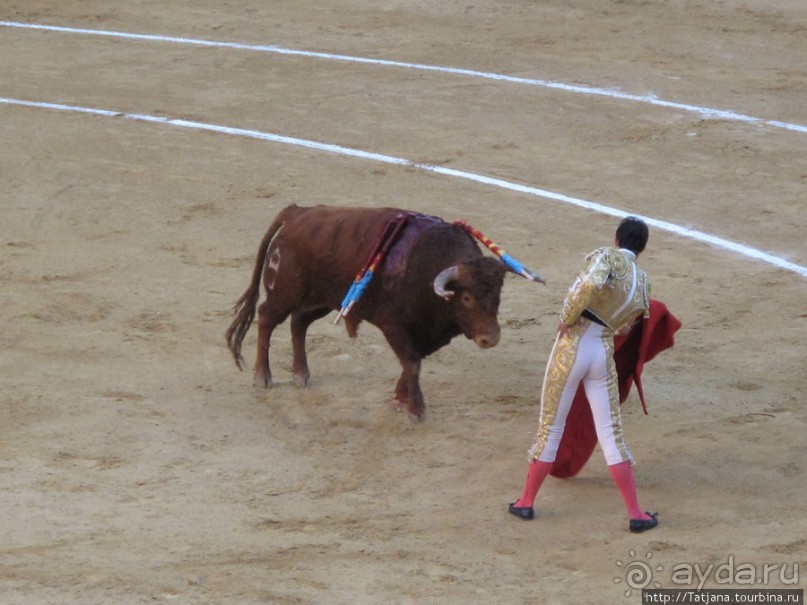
{"type": "Point", "coordinates": [632, 234]}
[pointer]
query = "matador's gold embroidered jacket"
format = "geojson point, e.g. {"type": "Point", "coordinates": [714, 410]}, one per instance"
{"type": "Point", "coordinates": [611, 287]}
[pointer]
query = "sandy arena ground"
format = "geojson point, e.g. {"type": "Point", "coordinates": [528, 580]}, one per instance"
{"type": "Point", "coordinates": [137, 465]}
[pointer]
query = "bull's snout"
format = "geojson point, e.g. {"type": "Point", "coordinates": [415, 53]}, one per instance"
{"type": "Point", "coordinates": [487, 340]}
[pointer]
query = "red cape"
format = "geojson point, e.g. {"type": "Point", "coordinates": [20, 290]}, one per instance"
{"type": "Point", "coordinates": [646, 340]}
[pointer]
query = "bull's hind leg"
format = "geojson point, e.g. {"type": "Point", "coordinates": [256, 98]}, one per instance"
{"type": "Point", "coordinates": [300, 320]}
{"type": "Point", "coordinates": [284, 291]}
{"type": "Point", "coordinates": [268, 319]}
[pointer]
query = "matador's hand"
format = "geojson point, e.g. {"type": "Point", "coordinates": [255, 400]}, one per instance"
{"type": "Point", "coordinates": [564, 328]}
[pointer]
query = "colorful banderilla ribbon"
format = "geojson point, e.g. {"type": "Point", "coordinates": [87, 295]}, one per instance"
{"type": "Point", "coordinates": [509, 261]}
{"type": "Point", "coordinates": [359, 285]}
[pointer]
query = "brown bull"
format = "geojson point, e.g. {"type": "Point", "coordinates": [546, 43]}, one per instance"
{"type": "Point", "coordinates": [433, 285]}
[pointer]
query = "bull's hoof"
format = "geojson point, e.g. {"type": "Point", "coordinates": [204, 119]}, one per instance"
{"type": "Point", "coordinates": [262, 381]}
{"type": "Point", "coordinates": [301, 380]}
{"type": "Point", "coordinates": [417, 418]}
{"type": "Point", "coordinates": [400, 406]}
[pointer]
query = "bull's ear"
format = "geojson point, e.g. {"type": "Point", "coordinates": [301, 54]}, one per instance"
{"type": "Point", "coordinates": [442, 279]}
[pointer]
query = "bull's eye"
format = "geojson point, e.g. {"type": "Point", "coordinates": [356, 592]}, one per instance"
{"type": "Point", "coordinates": [467, 300]}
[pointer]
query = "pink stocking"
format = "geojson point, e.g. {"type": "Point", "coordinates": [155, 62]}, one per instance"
{"type": "Point", "coordinates": [535, 477]}
{"type": "Point", "coordinates": [622, 474]}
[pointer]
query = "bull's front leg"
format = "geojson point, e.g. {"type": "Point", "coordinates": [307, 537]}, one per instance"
{"type": "Point", "coordinates": [407, 392]}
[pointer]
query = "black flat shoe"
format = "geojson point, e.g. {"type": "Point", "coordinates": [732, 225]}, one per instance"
{"type": "Point", "coordinates": [527, 513]}
{"type": "Point", "coordinates": [637, 526]}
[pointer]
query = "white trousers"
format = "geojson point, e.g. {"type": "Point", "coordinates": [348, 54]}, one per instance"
{"type": "Point", "coordinates": [584, 355]}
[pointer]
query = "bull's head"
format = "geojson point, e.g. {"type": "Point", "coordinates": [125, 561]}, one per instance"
{"type": "Point", "coordinates": [474, 289]}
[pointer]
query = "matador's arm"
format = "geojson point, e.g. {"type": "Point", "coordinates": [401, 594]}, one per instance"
{"type": "Point", "coordinates": [587, 283]}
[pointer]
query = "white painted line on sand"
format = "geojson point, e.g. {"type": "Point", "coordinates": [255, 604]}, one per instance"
{"type": "Point", "coordinates": [692, 234]}
{"type": "Point", "coordinates": [705, 112]}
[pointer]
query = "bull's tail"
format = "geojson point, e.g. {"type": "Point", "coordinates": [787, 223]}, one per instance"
{"type": "Point", "coordinates": [244, 307]}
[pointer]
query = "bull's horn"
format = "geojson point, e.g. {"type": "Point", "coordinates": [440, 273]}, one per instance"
{"type": "Point", "coordinates": [445, 276]}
